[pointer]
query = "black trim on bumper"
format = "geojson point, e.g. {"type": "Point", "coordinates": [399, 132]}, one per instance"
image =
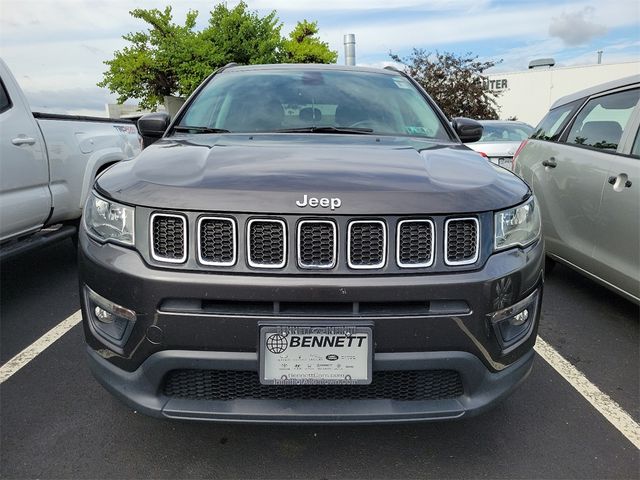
{"type": "Point", "coordinates": [141, 389]}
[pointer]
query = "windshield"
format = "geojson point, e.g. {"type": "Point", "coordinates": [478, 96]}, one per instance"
{"type": "Point", "coordinates": [505, 132]}
{"type": "Point", "coordinates": [315, 101]}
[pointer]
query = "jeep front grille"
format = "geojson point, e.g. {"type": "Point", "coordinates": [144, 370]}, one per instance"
{"type": "Point", "coordinates": [299, 245]}
{"type": "Point", "coordinates": [367, 244]}
{"type": "Point", "coordinates": [316, 244]}
{"type": "Point", "coordinates": [217, 241]}
{"type": "Point", "coordinates": [169, 234]}
{"type": "Point", "coordinates": [461, 241]}
{"type": "Point", "coordinates": [267, 243]}
{"type": "Point", "coordinates": [415, 243]}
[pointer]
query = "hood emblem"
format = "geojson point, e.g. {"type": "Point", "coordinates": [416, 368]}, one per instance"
{"type": "Point", "coordinates": [324, 202]}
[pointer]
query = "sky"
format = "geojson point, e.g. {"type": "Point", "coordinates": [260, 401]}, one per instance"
{"type": "Point", "coordinates": [56, 48]}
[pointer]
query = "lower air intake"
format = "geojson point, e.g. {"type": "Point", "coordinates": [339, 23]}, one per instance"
{"type": "Point", "coordinates": [401, 385]}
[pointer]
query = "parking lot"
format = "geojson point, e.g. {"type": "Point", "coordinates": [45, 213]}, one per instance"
{"type": "Point", "coordinates": [57, 422]}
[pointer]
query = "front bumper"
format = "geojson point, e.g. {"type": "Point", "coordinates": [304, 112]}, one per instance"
{"type": "Point", "coordinates": [162, 341]}
{"type": "Point", "coordinates": [139, 389]}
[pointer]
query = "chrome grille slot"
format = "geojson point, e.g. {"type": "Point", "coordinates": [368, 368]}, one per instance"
{"type": "Point", "coordinates": [316, 244]}
{"type": "Point", "coordinates": [266, 243]}
{"type": "Point", "coordinates": [367, 244]}
{"type": "Point", "coordinates": [462, 236]}
{"type": "Point", "coordinates": [415, 243]}
{"type": "Point", "coordinates": [217, 241]}
{"type": "Point", "coordinates": [168, 237]}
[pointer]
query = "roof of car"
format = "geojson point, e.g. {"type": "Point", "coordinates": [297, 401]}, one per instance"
{"type": "Point", "coordinates": [312, 66]}
{"type": "Point", "coordinates": [603, 87]}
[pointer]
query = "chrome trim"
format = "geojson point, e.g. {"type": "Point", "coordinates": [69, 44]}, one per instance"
{"type": "Point", "coordinates": [234, 242]}
{"type": "Point", "coordinates": [446, 241]}
{"type": "Point", "coordinates": [284, 243]}
{"type": "Point", "coordinates": [433, 243]}
{"type": "Point", "coordinates": [384, 245]}
{"type": "Point", "coordinates": [185, 230]}
{"type": "Point", "coordinates": [335, 245]}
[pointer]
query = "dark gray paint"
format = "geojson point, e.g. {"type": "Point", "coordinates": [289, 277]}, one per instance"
{"type": "Point", "coordinates": [267, 173]}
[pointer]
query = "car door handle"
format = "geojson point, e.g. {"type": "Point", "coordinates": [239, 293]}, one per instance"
{"type": "Point", "coordinates": [623, 177]}
{"type": "Point", "coordinates": [23, 141]}
{"type": "Point", "coordinates": [551, 163]}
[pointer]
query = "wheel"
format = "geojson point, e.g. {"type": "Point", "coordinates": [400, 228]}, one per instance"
{"type": "Point", "coordinates": [74, 237]}
{"type": "Point", "coordinates": [549, 265]}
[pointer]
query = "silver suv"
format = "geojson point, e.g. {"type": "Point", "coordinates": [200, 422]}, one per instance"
{"type": "Point", "coordinates": [583, 163]}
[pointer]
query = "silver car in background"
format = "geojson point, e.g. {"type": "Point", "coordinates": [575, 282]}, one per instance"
{"type": "Point", "coordinates": [500, 140]}
{"type": "Point", "coordinates": [583, 163]}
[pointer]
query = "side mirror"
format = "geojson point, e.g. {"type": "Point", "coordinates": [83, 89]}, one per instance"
{"type": "Point", "coordinates": [153, 125]}
{"type": "Point", "coordinates": [468, 130]}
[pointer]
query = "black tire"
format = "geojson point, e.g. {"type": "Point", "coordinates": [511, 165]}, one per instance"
{"type": "Point", "coordinates": [549, 265]}
{"type": "Point", "coordinates": [74, 237]}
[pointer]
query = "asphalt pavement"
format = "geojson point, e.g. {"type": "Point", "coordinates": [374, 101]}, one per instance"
{"type": "Point", "coordinates": [57, 422]}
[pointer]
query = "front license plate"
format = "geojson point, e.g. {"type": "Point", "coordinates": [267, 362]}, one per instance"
{"type": "Point", "coordinates": [302, 355]}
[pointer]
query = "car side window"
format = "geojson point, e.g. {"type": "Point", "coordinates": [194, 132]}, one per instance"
{"type": "Point", "coordinates": [602, 120]}
{"type": "Point", "coordinates": [635, 151]}
{"type": "Point", "coordinates": [553, 123]}
{"type": "Point", "coordinates": [5, 101]}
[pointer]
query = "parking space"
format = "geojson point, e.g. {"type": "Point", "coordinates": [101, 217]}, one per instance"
{"type": "Point", "coordinates": [57, 422]}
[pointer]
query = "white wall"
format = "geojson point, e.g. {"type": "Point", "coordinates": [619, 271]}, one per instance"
{"type": "Point", "coordinates": [530, 93]}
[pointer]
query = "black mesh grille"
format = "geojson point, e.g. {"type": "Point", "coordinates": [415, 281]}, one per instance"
{"type": "Point", "coordinates": [217, 242]}
{"type": "Point", "coordinates": [316, 244]}
{"type": "Point", "coordinates": [415, 243]}
{"type": "Point", "coordinates": [266, 243]}
{"type": "Point", "coordinates": [169, 237]}
{"type": "Point", "coordinates": [389, 385]}
{"type": "Point", "coordinates": [367, 244]}
{"type": "Point", "coordinates": [462, 240]}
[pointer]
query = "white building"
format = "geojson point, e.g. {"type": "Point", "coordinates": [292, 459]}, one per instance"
{"type": "Point", "coordinates": [528, 95]}
{"type": "Point", "coordinates": [126, 110]}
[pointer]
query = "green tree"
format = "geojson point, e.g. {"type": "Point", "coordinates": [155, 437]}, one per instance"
{"type": "Point", "coordinates": [241, 36]}
{"type": "Point", "coordinates": [173, 59]}
{"type": "Point", "coordinates": [155, 62]}
{"type": "Point", "coordinates": [456, 83]}
{"type": "Point", "coordinates": [303, 46]}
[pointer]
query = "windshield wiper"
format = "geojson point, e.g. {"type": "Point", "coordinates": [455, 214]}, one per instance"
{"type": "Point", "coordinates": [182, 128]}
{"type": "Point", "coordinates": [327, 129]}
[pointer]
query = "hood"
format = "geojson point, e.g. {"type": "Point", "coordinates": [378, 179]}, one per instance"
{"type": "Point", "coordinates": [270, 173]}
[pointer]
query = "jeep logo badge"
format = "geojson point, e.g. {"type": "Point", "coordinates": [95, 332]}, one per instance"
{"type": "Point", "coordinates": [323, 202]}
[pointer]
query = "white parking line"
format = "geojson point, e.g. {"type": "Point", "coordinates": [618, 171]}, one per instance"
{"type": "Point", "coordinates": [608, 408]}
{"type": "Point", "coordinates": [39, 346]}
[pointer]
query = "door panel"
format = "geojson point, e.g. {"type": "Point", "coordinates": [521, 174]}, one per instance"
{"type": "Point", "coordinates": [25, 200]}
{"type": "Point", "coordinates": [569, 194]}
{"type": "Point", "coordinates": [618, 245]}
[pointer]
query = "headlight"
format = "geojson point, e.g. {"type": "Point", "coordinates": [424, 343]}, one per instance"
{"type": "Point", "coordinates": [106, 220]}
{"type": "Point", "coordinates": [518, 226]}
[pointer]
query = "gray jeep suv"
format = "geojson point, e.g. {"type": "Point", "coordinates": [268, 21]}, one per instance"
{"type": "Point", "coordinates": [310, 243]}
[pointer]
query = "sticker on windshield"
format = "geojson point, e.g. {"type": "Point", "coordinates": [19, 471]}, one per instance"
{"type": "Point", "coordinates": [411, 130]}
{"type": "Point", "coordinates": [401, 83]}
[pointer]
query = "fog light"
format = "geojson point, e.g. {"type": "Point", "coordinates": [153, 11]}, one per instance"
{"type": "Point", "coordinates": [109, 320]}
{"type": "Point", "coordinates": [520, 318]}
{"type": "Point", "coordinates": [513, 323]}
{"type": "Point", "coordinates": [103, 315]}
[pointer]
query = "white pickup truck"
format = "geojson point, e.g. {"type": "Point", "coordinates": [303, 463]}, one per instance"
{"type": "Point", "coordinates": [48, 163]}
